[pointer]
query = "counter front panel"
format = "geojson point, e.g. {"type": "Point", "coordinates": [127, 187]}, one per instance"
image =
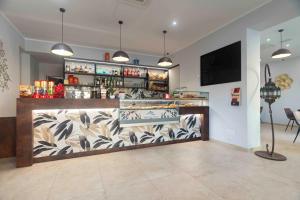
{"type": "Point", "coordinates": [51, 130]}
{"type": "Point", "coordinates": [59, 132]}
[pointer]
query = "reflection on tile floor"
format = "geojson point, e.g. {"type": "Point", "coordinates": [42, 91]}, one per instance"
{"type": "Point", "coordinates": [195, 170]}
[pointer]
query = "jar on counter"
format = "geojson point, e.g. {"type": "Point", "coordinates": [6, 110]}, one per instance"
{"type": "Point", "coordinates": [86, 92]}
{"type": "Point", "coordinates": [77, 94]}
{"type": "Point", "coordinates": [103, 93]}
{"type": "Point", "coordinates": [69, 92]}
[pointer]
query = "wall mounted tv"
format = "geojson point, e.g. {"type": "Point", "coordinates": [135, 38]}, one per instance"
{"type": "Point", "coordinates": [222, 65]}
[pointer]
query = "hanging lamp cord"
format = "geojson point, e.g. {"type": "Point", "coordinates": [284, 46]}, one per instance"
{"type": "Point", "coordinates": [120, 22]}
{"type": "Point", "coordinates": [62, 10]}
{"type": "Point", "coordinates": [164, 32]}
{"type": "Point", "coordinates": [281, 40]}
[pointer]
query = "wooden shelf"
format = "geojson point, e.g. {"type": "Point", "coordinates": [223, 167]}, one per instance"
{"type": "Point", "coordinates": [110, 63]}
{"type": "Point", "coordinates": [159, 90]}
{"type": "Point", "coordinates": [80, 73]}
{"type": "Point", "coordinates": [158, 80]}
{"type": "Point", "coordinates": [79, 85]}
{"type": "Point", "coordinates": [135, 77]}
{"type": "Point", "coordinates": [108, 75]}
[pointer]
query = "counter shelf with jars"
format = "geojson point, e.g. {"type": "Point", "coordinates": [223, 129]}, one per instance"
{"type": "Point", "coordinates": [148, 112]}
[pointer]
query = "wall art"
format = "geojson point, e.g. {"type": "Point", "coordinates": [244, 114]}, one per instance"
{"type": "Point", "coordinates": [235, 96]}
{"type": "Point", "coordinates": [284, 81]}
{"type": "Point", "coordinates": [4, 77]}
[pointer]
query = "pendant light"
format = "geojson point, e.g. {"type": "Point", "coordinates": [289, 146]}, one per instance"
{"type": "Point", "coordinates": [120, 56]}
{"type": "Point", "coordinates": [165, 61]}
{"type": "Point", "coordinates": [281, 53]}
{"type": "Point", "coordinates": [62, 49]}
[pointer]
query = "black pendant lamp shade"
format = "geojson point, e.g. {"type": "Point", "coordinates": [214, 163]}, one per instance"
{"type": "Point", "coordinates": [120, 56]}
{"type": "Point", "coordinates": [281, 53]}
{"type": "Point", "coordinates": [62, 49]}
{"type": "Point", "coordinates": [165, 61]}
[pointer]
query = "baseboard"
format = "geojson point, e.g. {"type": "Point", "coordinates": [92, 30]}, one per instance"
{"type": "Point", "coordinates": [234, 146]}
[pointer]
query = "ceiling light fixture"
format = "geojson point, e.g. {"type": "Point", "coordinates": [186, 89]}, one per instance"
{"type": "Point", "coordinates": [281, 53]}
{"type": "Point", "coordinates": [268, 39]}
{"type": "Point", "coordinates": [120, 56]}
{"type": "Point", "coordinates": [174, 23]}
{"type": "Point", "coordinates": [62, 49]}
{"type": "Point", "coordinates": [165, 61]}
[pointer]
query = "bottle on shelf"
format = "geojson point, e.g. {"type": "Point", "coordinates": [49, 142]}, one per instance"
{"type": "Point", "coordinates": [125, 73]}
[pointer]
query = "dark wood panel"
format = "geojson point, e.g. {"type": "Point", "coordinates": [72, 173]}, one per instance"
{"type": "Point", "coordinates": [102, 151]}
{"type": "Point", "coordinates": [7, 137]}
{"type": "Point", "coordinates": [34, 104]}
{"type": "Point", "coordinates": [24, 137]}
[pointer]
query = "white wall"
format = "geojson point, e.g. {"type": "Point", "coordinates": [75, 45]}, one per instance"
{"type": "Point", "coordinates": [25, 68]}
{"type": "Point", "coordinates": [174, 80]}
{"type": "Point", "coordinates": [47, 69]}
{"type": "Point", "coordinates": [34, 70]}
{"type": "Point", "coordinates": [235, 125]}
{"type": "Point", "coordinates": [12, 42]}
{"type": "Point", "coordinates": [290, 98]}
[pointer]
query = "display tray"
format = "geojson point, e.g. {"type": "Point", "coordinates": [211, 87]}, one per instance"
{"type": "Point", "coordinates": [148, 122]}
{"type": "Point", "coordinates": [148, 108]}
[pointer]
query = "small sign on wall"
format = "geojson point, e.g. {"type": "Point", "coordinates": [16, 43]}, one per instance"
{"type": "Point", "coordinates": [235, 96]}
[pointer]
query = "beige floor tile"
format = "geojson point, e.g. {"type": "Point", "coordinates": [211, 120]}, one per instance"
{"type": "Point", "coordinates": [76, 179]}
{"type": "Point", "coordinates": [139, 191]}
{"type": "Point", "coordinates": [194, 170]}
{"type": "Point", "coordinates": [183, 186]}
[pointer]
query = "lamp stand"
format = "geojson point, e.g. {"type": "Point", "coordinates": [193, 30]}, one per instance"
{"type": "Point", "coordinates": [267, 154]}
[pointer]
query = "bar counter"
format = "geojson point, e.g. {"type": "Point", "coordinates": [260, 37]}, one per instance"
{"type": "Point", "coordinates": [66, 128]}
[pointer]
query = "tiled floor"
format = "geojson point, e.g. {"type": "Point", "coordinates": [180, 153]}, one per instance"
{"type": "Point", "coordinates": [195, 170]}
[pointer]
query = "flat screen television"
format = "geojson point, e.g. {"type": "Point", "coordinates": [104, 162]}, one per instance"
{"type": "Point", "coordinates": [222, 65]}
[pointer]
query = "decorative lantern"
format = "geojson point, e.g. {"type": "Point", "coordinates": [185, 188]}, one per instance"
{"type": "Point", "coordinates": [270, 92]}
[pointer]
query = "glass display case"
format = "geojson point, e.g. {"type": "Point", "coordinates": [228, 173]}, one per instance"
{"type": "Point", "coordinates": [191, 98]}
{"type": "Point", "coordinates": [148, 112]}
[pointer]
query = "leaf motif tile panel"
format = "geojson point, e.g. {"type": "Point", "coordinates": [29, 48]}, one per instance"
{"type": "Point", "coordinates": [58, 132]}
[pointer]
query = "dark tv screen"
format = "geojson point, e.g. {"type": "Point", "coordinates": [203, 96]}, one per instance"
{"type": "Point", "coordinates": [222, 65]}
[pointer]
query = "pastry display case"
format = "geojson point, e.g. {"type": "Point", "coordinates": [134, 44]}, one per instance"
{"type": "Point", "coordinates": [191, 98]}
{"type": "Point", "coordinates": [148, 112]}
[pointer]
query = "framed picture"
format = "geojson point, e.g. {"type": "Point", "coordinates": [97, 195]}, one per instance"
{"type": "Point", "coordinates": [235, 96]}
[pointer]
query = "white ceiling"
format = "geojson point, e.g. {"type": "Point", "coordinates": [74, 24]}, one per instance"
{"type": "Point", "coordinates": [291, 37]}
{"type": "Point", "coordinates": [94, 22]}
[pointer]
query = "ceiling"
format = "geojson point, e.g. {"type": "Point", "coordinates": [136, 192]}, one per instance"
{"type": "Point", "coordinates": [94, 23]}
{"type": "Point", "coordinates": [270, 40]}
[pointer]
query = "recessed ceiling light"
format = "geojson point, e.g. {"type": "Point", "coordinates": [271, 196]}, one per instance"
{"type": "Point", "coordinates": [287, 45]}
{"type": "Point", "coordinates": [174, 23]}
{"type": "Point", "coordinates": [268, 39]}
